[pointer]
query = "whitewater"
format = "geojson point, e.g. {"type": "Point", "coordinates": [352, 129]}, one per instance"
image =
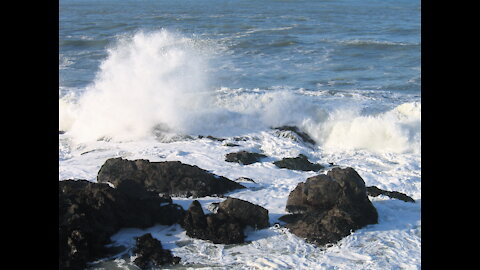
{"type": "Point", "coordinates": [155, 93]}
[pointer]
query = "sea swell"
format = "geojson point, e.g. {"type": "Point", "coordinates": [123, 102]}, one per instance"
{"type": "Point", "coordinates": [158, 80]}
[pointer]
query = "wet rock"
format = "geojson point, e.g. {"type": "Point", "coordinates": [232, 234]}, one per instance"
{"type": "Point", "coordinates": [300, 163]}
{"type": "Point", "coordinates": [169, 177]}
{"type": "Point", "coordinates": [150, 253]}
{"type": "Point", "coordinates": [89, 213]}
{"type": "Point", "coordinates": [227, 224]}
{"type": "Point", "coordinates": [244, 157]}
{"type": "Point", "coordinates": [212, 138]}
{"type": "Point", "coordinates": [218, 228]}
{"type": "Point", "coordinates": [247, 213]}
{"type": "Point", "coordinates": [304, 136]}
{"type": "Point", "coordinates": [231, 144]}
{"type": "Point", "coordinates": [375, 191]}
{"type": "Point", "coordinates": [328, 207]}
{"type": "Point", "coordinates": [290, 218]}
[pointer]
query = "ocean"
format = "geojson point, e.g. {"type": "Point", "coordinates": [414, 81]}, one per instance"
{"type": "Point", "coordinates": [144, 79]}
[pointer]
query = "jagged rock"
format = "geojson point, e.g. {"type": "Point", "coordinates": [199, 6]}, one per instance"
{"type": "Point", "coordinates": [227, 224]}
{"type": "Point", "coordinates": [150, 253]}
{"type": "Point", "coordinates": [375, 191]}
{"type": "Point", "coordinates": [218, 228]}
{"type": "Point", "coordinates": [167, 177]}
{"type": "Point", "coordinates": [244, 157]}
{"type": "Point", "coordinates": [300, 163]}
{"type": "Point", "coordinates": [328, 207]}
{"type": "Point", "coordinates": [89, 213]}
{"type": "Point", "coordinates": [304, 136]}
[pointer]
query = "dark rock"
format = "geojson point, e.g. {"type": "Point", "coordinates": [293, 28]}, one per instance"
{"type": "Point", "coordinates": [218, 228]}
{"type": "Point", "coordinates": [224, 230]}
{"type": "Point", "coordinates": [322, 228]}
{"type": "Point", "coordinates": [328, 207]}
{"type": "Point", "coordinates": [317, 193]}
{"type": "Point", "coordinates": [195, 221]}
{"type": "Point", "coordinates": [300, 163]}
{"type": "Point", "coordinates": [375, 191]}
{"type": "Point", "coordinates": [290, 218]}
{"type": "Point", "coordinates": [212, 138]}
{"type": "Point", "coordinates": [150, 253]}
{"type": "Point", "coordinates": [231, 144]}
{"type": "Point", "coordinates": [89, 213]}
{"type": "Point", "coordinates": [168, 177]}
{"type": "Point", "coordinates": [227, 224]}
{"type": "Point", "coordinates": [244, 157]}
{"type": "Point", "coordinates": [215, 138]}
{"type": "Point", "coordinates": [304, 136]}
{"type": "Point", "coordinates": [247, 213]}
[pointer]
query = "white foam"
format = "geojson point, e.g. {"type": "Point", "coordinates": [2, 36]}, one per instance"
{"type": "Point", "coordinates": [159, 80]}
{"type": "Point", "coordinates": [147, 79]}
{"type": "Point", "coordinates": [67, 112]}
{"type": "Point", "coordinates": [397, 130]}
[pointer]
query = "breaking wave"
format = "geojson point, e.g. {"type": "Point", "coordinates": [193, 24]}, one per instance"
{"type": "Point", "coordinates": [159, 80]}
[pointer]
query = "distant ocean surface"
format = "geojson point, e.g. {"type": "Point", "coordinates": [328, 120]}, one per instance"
{"type": "Point", "coordinates": [137, 77]}
{"type": "Point", "coordinates": [315, 45]}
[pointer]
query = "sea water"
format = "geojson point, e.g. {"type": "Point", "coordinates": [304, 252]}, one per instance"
{"type": "Point", "coordinates": [143, 79]}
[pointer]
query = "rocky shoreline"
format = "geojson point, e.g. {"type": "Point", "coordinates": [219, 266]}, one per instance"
{"type": "Point", "coordinates": [137, 194]}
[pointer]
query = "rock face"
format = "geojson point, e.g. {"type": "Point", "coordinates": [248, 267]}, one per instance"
{"type": "Point", "coordinates": [89, 213]}
{"type": "Point", "coordinates": [244, 157]}
{"type": "Point", "coordinates": [169, 177]}
{"type": "Point", "coordinates": [150, 253]}
{"type": "Point", "coordinates": [227, 224]}
{"type": "Point", "coordinates": [375, 191]}
{"type": "Point", "coordinates": [300, 163]}
{"type": "Point", "coordinates": [328, 207]}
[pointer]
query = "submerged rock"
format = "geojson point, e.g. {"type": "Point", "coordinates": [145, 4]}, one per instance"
{"type": "Point", "coordinates": [300, 163]}
{"type": "Point", "coordinates": [212, 138]}
{"type": "Point", "coordinates": [227, 224]}
{"type": "Point", "coordinates": [150, 253]}
{"type": "Point", "coordinates": [231, 144]}
{"type": "Point", "coordinates": [89, 213]}
{"type": "Point", "coordinates": [168, 177]}
{"type": "Point", "coordinates": [328, 207]}
{"type": "Point", "coordinates": [244, 157]}
{"type": "Point", "coordinates": [375, 191]}
{"type": "Point", "coordinates": [244, 179]}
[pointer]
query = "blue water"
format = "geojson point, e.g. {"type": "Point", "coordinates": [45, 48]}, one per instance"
{"type": "Point", "coordinates": [315, 45]}
{"type": "Point", "coordinates": [347, 72]}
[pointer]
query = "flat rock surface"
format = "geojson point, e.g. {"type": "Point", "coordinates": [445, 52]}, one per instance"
{"type": "Point", "coordinates": [168, 177]}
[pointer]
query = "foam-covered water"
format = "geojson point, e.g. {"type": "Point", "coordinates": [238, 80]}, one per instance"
{"type": "Point", "coordinates": [142, 79]}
